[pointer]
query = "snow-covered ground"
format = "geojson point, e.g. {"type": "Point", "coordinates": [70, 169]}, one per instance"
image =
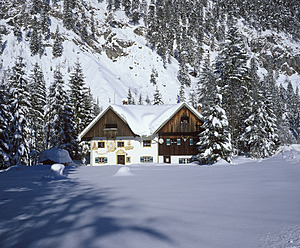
{"type": "Point", "coordinates": [246, 204]}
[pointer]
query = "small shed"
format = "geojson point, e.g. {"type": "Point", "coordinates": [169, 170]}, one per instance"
{"type": "Point", "coordinates": [55, 155]}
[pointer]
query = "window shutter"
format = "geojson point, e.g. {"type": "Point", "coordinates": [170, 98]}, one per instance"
{"type": "Point", "coordinates": [178, 142]}
{"type": "Point", "coordinates": [142, 159]}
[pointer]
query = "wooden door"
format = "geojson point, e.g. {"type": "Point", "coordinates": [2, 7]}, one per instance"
{"type": "Point", "coordinates": [121, 159]}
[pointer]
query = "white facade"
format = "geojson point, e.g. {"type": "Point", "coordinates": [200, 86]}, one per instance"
{"type": "Point", "coordinates": [124, 150]}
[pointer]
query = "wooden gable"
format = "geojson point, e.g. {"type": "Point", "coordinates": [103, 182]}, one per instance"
{"type": "Point", "coordinates": [184, 121]}
{"type": "Point", "coordinates": [109, 125]}
{"type": "Point", "coordinates": [180, 134]}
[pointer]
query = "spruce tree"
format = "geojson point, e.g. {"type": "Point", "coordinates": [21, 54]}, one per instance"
{"type": "Point", "coordinates": [207, 87]}
{"type": "Point", "coordinates": [153, 76]}
{"type": "Point", "coordinates": [157, 97]}
{"type": "Point", "coordinates": [215, 142]}
{"type": "Point", "coordinates": [57, 49]}
{"type": "Point", "coordinates": [37, 114]}
{"type": "Point", "coordinates": [135, 14]}
{"type": "Point", "coordinates": [233, 79]}
{"type": "Point", "coordinates": [35, 40]}
{"type": "Point", "coordinates": [183, 75]}
{"type": "Point", "coordinates": [1, 44]}
{"type": "Point", "coordinates": [130, 99]}
{"type": "Point", "coordinates": [77, 97]}
{"type": "Point", "coordinates": [4, 121]}
{"type": "Point", "coordinates": [181, 95]}
{"type": "Point", "coordinates": [19, 109]}
{"type": "Point", "coordinates": [68, 14]}
{"type": "Point", "coordinates": [60, 129]}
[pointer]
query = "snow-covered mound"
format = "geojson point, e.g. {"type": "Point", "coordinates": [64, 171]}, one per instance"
{"type": "Point", "coordinates": [58, 169]}
{"type": "Point", "coordinates": [290, 153]}
{"type": "Point", "coordinates": [124, 171]}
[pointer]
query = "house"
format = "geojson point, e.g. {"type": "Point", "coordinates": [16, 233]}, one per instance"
{"type": "Point", "coordinates": [131, 134]}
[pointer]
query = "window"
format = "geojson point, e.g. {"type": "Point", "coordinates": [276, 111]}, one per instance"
{"type": "Point", "coordinates": [120, 143]}
{"type": "Point", "coordinates": [146, 159]}
{"type": "Point", "coordinates": [111, 126]}
{"type": "Point", "coordinates": [184, 160]}
{"type": "Point", "coordinates": [101, 144]}
{"type": "Point", "coordinates": [168, 142]}
{"type": "Point", "coordinates": [185, 119]}
{"type": "Point", "coordinates": [178, 142]}
{"type": "Point", "coordinates": [101, 160]}
{"type": "Point", "coordinates": [128, 159]}
{"type": "Point", "coordinates": [191, 142]}
{"type": "Point", "coordinates": [146, 143]}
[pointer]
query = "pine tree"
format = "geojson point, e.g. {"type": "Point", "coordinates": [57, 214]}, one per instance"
{"type": "Point", "coordinates": [157, 97]}
{"type": "Point", "coordinates": [215, 142]}
{"type": "Point", "coordinates": [57, 49]}
{"type": "Point", "coordinates": [37, 114]}
{"type": "Point", "coordinates": [19, 108]}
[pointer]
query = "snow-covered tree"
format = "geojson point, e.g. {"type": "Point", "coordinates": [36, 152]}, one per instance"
{"type": "Point", "coordinates": [35, 39]}
{"type": "Point", "coordinates": [57, 48]}
{"type": "Point", "coordinates": [135, 14]}
{"type": "Point", "coordinates": [19, 106]}
{"type": "Point", "coordinates": [130, 99]}
{"type": "Point", "coordinates": [38, 99]}
{"type": "Point", "coordinates": [157, 97]}
{"type": "Point", "coordinates": [215, 142]}
{"type": "Point", "coordinates": [206, 87]}
{"type": "Point", "coordinates": [60, 127]}
{"type": "Point", "coordinates": [183, 75]}
{"type": "Point", "coordinates": [68, 14]}
{"type": "Point", "coordinates": [181, 95]}
{"type": "Point", "coordinates": [233, 78]}
{"type": "Point", "coordinates": [153, 76]}
{"type": "Point", "coordinates": [4, 120]}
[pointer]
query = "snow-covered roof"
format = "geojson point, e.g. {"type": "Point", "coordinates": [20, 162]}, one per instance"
{"type": "Point", "coordinates": [143, 120]}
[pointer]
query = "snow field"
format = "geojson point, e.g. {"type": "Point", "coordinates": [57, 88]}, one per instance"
{"type": "Point", "coordinates": [245, 204]}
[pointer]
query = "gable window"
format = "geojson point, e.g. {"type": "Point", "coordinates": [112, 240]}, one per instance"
{"type": "Point", "coordinates": [185, 119]}
{"type": "Point", "coordinates": [111, 126]}
{"type": "Point", "coordinates": [120, 143]}
{"type": "Point", "coordinates": [101, 144]}
{"type": "Point", "coordinates": [146, 143]}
